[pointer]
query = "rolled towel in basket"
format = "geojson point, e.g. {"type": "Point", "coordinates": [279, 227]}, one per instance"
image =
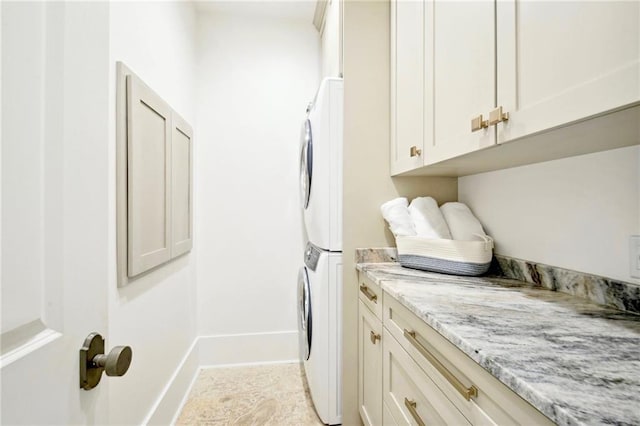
{"type": "Point", "coordinates": [397, 216]}
{"type": "Point", "coordinates": [464, 226]}
{"type": "Point", "coordinates": [428, 219]}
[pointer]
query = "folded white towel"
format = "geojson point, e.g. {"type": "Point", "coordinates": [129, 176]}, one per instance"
{"type": "Point", "coordinates": [464, 226]}
{"type": "Point", "coordinates": [396, 214]}
{"type": "Point", "coordinates": [428, 219]}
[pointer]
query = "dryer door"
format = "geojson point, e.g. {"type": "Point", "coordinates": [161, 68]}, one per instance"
{"type": "Point", "coordinates": [306, 163]}
{"type": "Point", "coordinates": [305, 327]}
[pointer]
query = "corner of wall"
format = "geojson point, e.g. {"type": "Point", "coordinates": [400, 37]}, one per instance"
{"type": "Point", "coordinates": [174, 395]}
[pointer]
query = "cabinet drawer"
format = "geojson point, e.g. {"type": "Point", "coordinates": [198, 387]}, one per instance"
{"type": "Point", "coordinates": [369, 367]}
{"type": "Point", "coordinates": [411, 395]}
{"type": "Point", "coordinates": [370, 294]}
{"type": "Point", "coordinates": [478, 395]}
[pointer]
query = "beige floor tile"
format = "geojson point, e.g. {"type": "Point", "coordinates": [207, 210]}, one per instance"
{"type": "Point", "coordinates": [274, 394]}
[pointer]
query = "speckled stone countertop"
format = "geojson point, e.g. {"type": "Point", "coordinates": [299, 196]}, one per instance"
{"type": "Point", "coordinates": [575, 361]}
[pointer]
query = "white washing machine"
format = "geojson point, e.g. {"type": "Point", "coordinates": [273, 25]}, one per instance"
{"type": "Point", "coordinates": [321, 166]}
{"type": "Point", "coordinates": [320, 329]}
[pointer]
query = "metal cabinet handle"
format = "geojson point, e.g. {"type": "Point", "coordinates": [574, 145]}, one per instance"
{"type": "Point", "coordinates": [414, 151]}
{"type": "Point", "coordinates": [374, 337]}
{"type": "Point", "coordinates": [411, 406]}
{"type": "Point", "coordinates": [496, 116]}
{"type": "Point", "coordinates": [370, 295]}
{"type": "Point", "coordinates": [466, 392]}
{"type": "Point", "coordinates": [477, 123]}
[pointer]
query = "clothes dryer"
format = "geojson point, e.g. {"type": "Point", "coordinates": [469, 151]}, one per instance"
{"type": "Point", "coordinates": [321, 166]}
{"type": "Point", "coordinates": [320, 329]}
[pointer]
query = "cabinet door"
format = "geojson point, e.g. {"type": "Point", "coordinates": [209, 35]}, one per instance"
{"type": "Point", "coordinates": [370, 367]}
{"type": "Point", "coordinates": [148, 178]}
{"type": "Point", "coordinates": [563, 61]}
{"type": "Point", "coordinates": [462, 45]}
{"type": "Point", "coordinates": [182, 185]}
{"type": "Point", "coordinates": [407, 85]}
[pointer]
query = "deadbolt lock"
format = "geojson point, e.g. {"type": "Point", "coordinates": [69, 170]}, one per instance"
{"type": "Point", "coordinates": [93, 361]}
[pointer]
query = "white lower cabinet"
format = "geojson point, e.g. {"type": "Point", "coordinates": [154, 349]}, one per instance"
{"type": "Point", "coordinates": [411, 395]}
{"type": "Point", "coordinates": [369, 367]}
{"type": "Point", "coordinates": [480, 397]}
{"type": "Point", "coordinates": [410, 374]}
{"type": "Point", "coordinates": [387, 417]}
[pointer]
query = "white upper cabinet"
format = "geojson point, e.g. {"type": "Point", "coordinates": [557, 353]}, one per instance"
{"type": "Point", "coordinates": [407, 85]}
{"type": "Point", "coordinates": [563, 61]}
{"type": "Point", "coordinates": [460, 42]}
{"type": "Point", "coordinates": [542, 79]}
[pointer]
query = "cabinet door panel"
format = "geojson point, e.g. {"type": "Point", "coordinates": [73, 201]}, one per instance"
{"type": "Point", "coordinates": [182, 188]}
{"type": "Point", "coordinates": [370, 371]}
{"type": "Point", "coordinates": [387, 418]}
{"type": "Point", "coordinates": [463, 78]}
{"type": "Point", "coordinates": [559, 62]}
{"type": "Point", "coordinates": [407, 84]}
{"type": "Point", "coordinates": [149, 173]}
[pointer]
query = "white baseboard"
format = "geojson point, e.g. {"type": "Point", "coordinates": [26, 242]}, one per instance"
{"type": "Point", "coordinates": [220, 351]}
{"type": "Point", "coordinates": [174, 394]}
{"type": "Point", "coordinates": [253, 348]}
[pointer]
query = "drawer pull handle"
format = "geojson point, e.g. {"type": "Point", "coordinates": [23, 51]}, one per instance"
{"type": "Point", "coordinates": [370, 295]}
{"type": "Point", "coordinates": [466, 392]}
{"type": "Point", "coordinates": [411, 406]}
{"type": "Point", "coordinates": [374, 337]}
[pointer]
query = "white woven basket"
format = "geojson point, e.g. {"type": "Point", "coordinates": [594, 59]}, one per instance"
{"type": "Point", "coordinates": [469, 258]}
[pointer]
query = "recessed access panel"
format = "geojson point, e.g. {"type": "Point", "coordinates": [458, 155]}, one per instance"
{"type": "Point", "coordinates": [148, 178]}
{"type": "Point", "coordinates": [182, 186]}
{"type": "Point", "coordinates": [154, 179]}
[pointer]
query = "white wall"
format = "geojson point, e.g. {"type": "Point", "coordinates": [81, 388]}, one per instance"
{"type": "Point", "coordinates": [367, 181]}
{"type": "Point", "coordinates": [156, 313]}
{"type": "Point", "coordinates": [576, 213]}
{"type": "Point", "coordinates": [255, 78]}
{"type": "Point", "coordinates": [331, 41]}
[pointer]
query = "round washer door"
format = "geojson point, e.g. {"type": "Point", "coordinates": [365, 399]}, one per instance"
{"type": "Point", "coordinates": [306, 163]}
{"type": "Point", "coordinates": [305, 326]}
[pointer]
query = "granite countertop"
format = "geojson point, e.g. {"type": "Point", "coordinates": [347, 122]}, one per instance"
{"type": "Point", "coordinates": [575, 361]}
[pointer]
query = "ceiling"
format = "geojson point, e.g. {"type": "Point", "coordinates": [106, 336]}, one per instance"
{"type": "Point", "coordinates": [288, 9]}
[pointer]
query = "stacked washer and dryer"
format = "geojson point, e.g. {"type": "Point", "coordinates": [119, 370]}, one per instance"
{"type": "Point", "coordinates": [320, 279]}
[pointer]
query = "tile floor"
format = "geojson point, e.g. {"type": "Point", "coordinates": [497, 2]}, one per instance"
{"type": "Point", "coordinates": [275, 394]}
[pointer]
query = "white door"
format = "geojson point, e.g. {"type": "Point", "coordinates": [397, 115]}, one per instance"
{"type": "Point", "coordinates": [55, 210]}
